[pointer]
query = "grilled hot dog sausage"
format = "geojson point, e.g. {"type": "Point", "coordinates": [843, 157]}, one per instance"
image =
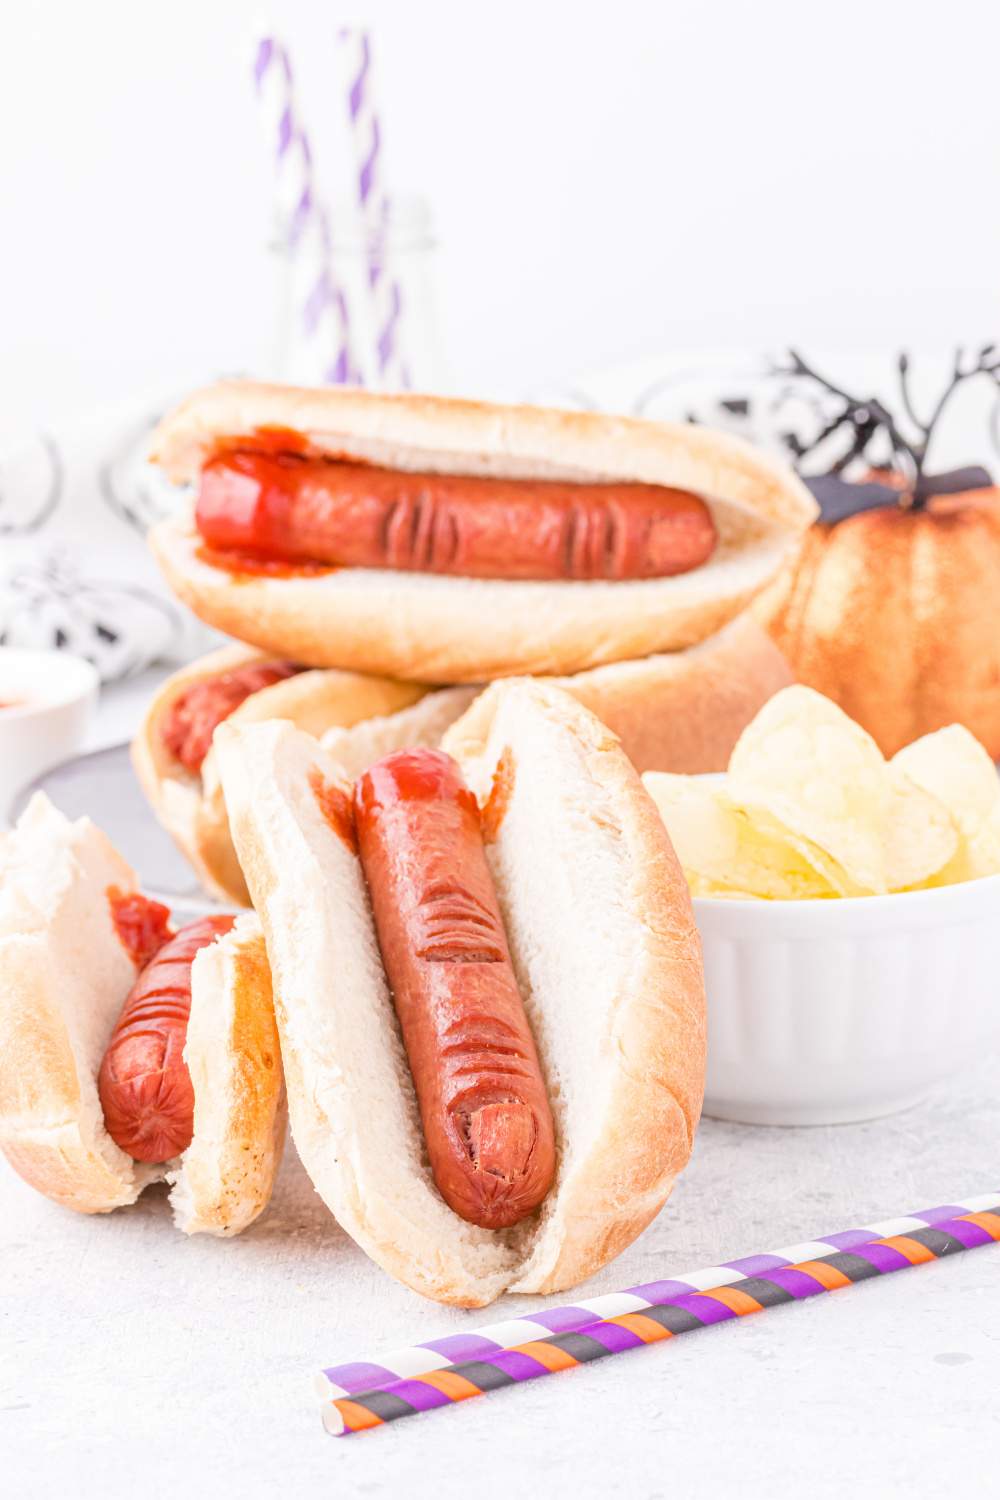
{"type": "Point", "coordinates": [144, 1084]}
{"type": "Point", "coordinates": [192, 718]}
{"type": "Point", "coordinates": [479, 1085]}
{"type": "Point", "coordinates": [307, 510]}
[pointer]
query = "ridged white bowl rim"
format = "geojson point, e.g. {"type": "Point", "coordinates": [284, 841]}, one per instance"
{"type": "Point", "coordinates": [842, 915]}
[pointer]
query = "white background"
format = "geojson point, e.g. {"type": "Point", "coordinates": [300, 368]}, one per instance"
{"type": "Point", "coordinates": [607, 180]}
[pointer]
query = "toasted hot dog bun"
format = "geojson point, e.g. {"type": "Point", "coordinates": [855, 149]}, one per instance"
{"type": "Point", "coordinates": [64, 976]}
{"type": "Point", "coordinates": [608, 961]}
{"type": "Point", "coordinates": [190, 805]}
{"type": "Point", "coordinates": [680, 711]}
{"type": "Point", "coordinates": [434, 628]}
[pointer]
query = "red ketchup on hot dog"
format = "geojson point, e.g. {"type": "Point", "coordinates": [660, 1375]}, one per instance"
{"type": "Point", "coordinates": [144, 1084]}
{"type": "Point", "coordinates": [299, 509]}
{"type": "Point", "coordinates": [479, 1085]}
{"type": "Point", "coordinates": [193, 717]}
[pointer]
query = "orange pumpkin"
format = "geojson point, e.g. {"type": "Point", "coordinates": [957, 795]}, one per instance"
{"type": "Point", "coordinates": [895, 614]}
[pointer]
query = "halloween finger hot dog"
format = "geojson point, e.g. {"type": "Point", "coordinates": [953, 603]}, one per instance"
{"type": "Point", "coordinates": [482, 1100]}
{"type": "Point", "coordinates": [144, 1084]}
{"type": "Point", "coordinates": [455, 541]}
{"type": "Point", "coordinates": [290, 508]}
{"type": "Point", "coordinates": [183, 1083]}
{"type": "Point", "coordinates": [489, 989]}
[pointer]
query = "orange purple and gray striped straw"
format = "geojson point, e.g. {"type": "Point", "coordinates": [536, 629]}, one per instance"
{"type": "Point", "coordinates": [363, 1394]}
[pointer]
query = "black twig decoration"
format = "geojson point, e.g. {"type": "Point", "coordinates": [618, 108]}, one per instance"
{"type": "Point", "coordinates": [867, 417]}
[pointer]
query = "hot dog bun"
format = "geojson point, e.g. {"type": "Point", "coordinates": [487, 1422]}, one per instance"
{"type": "Point", "coordinates": [681, 711]}
{"type": "Point", "coordinates": [63, 977]}
{"type": "Point", "coordinates": [686, 708]}
{"type": "Point", "coordinates": [606, 953]}
{"type": "Point", "coordinates": [190, 805]}
{"type": "Point", "coordinates": [423, 723]}
{"type": "Point", "coordinates": [434, 628]}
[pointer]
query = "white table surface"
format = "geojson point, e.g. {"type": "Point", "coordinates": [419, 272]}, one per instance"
{"type": "Point", "coordinates": [136, 1362]}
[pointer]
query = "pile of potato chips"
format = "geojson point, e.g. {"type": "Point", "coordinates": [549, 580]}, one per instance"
{"type": "Point", "coordinates": [810, 808]}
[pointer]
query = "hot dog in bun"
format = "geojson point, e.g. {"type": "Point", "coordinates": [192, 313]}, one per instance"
{"type": "Point", "coordinates": [130, 1052]}
{"type": "Point", "coordinates": [488, 988]}
{"type": "Point", "coordinates": [681, 711]}
{"type": "Point", "coordinates": [447, 541]}
{"type": "Point", "coordinates": [172, 750]}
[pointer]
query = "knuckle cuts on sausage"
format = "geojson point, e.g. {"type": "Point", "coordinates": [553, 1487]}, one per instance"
{"type": "Point", "coordinates": [296, 509]}
{"type": "Point", "coordinates": [479, 1085]}
{"type": "Point", "coordinates": [193, 717]}
{"type": "Point", "coordinates": [144, 1084]}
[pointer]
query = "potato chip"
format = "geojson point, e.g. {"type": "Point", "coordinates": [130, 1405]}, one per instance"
{"type": "Point", "coordinates": [921, 837]}
{"type": "Point", "coordinates": [955, 768]}
{"type": "Point", "coordinates": [767, 829]}
{"type": "Point", "coordinates": [976, 857]}
{"type": "Point", "coordinates": [722, 849]}
{"type": "Point", "coordinates": [811, 810]}
{"type": "Point", "coordinates": [804, 763]}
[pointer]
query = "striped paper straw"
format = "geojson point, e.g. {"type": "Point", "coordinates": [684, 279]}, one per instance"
{"type": "Point", "coordinates": [373, 204]}
{"type": "Point", "coordinates": [323, 312]}
{"type": "Point", "coordinates": [363, 1395]}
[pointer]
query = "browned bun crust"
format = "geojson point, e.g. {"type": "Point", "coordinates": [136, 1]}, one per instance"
{"type": "Point", "coordinates": [684, 711]}
{"type": "Point", "coordinates": [436, 628]}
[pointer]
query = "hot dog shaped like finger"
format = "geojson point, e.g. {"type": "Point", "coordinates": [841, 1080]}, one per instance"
{"type": "Point", "coordinates": [284, 507]}
{"type": "Point", "coordinates": [191, 1088]}
{"type": "Point", "coordinates": [144, 1083]}
{"type": "Point", "coordinates": [486, 1118]}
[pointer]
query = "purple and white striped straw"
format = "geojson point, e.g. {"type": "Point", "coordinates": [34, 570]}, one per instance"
{"type": "Point", "coordinates": [417, 1359]}
{"type": "Point", "coordinates": [362, 1395]}
{"type": "Point", "coordinates": [322, 311]}
{"type": "Point", "coordinates": [373, 205]}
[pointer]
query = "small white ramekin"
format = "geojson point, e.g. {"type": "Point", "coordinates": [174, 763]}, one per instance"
{"type": "Point", "coordinates": [54, 696]}
{"type": "Point", "coordinates": [822, 1012]}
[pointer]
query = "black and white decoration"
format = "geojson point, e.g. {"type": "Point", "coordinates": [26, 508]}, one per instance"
{"type": "Point", "coordinates": [75, 572]}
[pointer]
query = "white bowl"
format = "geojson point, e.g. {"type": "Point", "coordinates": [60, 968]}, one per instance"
{"type": "Point", "coordinates": [822, 1012]}
{"type": "Point", "coordinates": [53, 695]}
